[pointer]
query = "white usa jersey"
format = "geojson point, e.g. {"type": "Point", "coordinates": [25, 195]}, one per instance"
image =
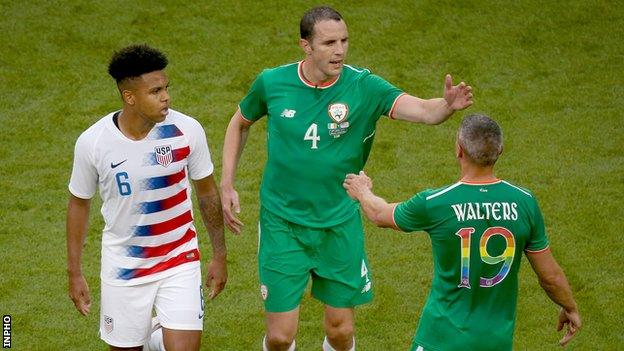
{"type": "Point", "coordinates": [146, 195]}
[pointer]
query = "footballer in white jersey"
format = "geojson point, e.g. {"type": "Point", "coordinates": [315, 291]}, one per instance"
{"type": "Point", "coordinates": [146, 195]}
{"type": "Point", "coordinates": [143, 159]}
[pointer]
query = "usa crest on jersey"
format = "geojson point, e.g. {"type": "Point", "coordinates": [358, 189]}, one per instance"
{"type": "Point", "coordinates": [338, 113]}
{"type": "Point", "coordinates": [164, 156]}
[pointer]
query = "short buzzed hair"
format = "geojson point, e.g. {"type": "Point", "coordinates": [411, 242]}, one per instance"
{"type": "Point", "coordinates": [313, 16]}
{"type": "Point", "coordinates": [135, 60]}
{"type": "Point", "coordinates": [481, 139]}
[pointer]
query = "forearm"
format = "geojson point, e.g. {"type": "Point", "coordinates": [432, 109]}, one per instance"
{"type": "Point", "coordinates": [235, 139]}
{"type": "Point", "coordinates": [431, 111]}
{"type": "Point", "coordinates": [212, 216]}
{"type": "Point", "coordinates": [438, 111]}
{"type": "Point", "coordinates": [375, 209]}
{"type": "Point", "coordinates": [76, 230]}
{"type": "Point", "coordinates": [558, 290]}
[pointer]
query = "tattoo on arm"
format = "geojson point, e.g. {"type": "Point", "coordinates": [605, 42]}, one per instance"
{"type": "Point", "coordinates": [212, 216]}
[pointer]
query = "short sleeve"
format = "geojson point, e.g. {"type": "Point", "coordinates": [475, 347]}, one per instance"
{"type": "Point", "coordinates": [411, 215]}
{"type": "Point", "coordinates": [253, 106]}
{"type": "Point", "coordinates": [199, 161]}
{"type": "Point", "coordinates": [84, 177]}
{"type": "Point", "coordinates": [382, 92]}
{"type": "Point", "coordinates": [538, 240]}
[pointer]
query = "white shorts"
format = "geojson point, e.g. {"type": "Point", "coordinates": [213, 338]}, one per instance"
{"type": "Point", "coordinates": [126, 311]}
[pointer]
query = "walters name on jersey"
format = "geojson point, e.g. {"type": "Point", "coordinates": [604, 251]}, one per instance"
{"type": "Point", "coordinates": [146, 194]}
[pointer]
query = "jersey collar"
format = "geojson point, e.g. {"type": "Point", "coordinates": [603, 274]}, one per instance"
{"type": "Point", "coordinates": [493, 181]}
{"type": "Point", "coordinates": [303, 79]}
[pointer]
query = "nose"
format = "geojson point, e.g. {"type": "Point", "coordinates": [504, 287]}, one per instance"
{"type": "Point", "coordinates": [341, 48]}
{"type": "Point", "coordinates": [165, 95]}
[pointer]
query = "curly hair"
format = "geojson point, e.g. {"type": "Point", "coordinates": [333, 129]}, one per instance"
{"type": "Point", "coordinates": [135, 60]}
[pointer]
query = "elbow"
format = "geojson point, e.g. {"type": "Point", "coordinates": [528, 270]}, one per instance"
{"type": "Point", "coordinates": [552, 281]}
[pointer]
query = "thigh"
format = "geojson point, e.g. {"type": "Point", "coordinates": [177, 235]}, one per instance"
{"type": "Point", "coordinates": [342, 277]}
{"type": "Point", "coordinates": [179, 301]}
{"type": "Point", "coordinates": [283, 264]}
{"type": "Point", "coordinates": [181, 340]}
{"type": "Point", "coordinates": [126, 313]}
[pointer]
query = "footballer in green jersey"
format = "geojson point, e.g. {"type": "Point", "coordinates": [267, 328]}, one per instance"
{"type": "Point", "coordinates": [321, 124]}
{"type": "Point", "coordinates": [479, 228]}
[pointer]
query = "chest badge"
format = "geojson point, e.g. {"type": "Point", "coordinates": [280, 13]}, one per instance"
{"type": "Point", "coordinates": [338, 112]}
{"type": "Point", "coordinates": [164, 156]}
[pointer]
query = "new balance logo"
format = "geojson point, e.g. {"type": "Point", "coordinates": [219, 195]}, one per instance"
{"type": "Point", "coordinates": [288, 113]}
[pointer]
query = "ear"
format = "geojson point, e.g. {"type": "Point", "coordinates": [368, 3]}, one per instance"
{"type": "Point", "coordinates": [306, 46]}
{"type": "Point", "coordinates": [500, 152]}
{"type": "Point", "coordinates": [459, 152]}
{"type": "Point", "coordinates": [128, 97]}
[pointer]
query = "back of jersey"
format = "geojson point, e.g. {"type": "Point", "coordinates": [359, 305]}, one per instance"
{"type": "Point", "coordinates": [478, 233]}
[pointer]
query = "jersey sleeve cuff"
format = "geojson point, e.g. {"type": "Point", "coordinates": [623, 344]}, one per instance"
{"type": "Point", "coordinates": [79, 194]}
{"type": "Point", "coordinates": [203, 174]}
{"type": "Point", "coordinates": [245, 119]}
{"type": "Point", "coordinates": [392, 109]}
{"type": "Point", "coordinates": [394, 220]}
{"type": "Point", "coordinates": [537, 251]}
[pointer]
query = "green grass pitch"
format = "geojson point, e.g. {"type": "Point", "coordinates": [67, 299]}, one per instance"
{"type": "Point", "coordinates": [549, 72]}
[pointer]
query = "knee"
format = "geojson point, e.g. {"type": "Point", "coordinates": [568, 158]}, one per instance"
{"type": "Point", "coordinates": [279, 341]}
{"type": "Point", "coordinates": [339, 330]}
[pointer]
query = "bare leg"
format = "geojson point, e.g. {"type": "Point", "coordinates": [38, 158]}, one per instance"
{"type": "Point", "coordinates": [339, 327]}
{"type": "Point", "coordinates": [281, 329]}
{"type": "Point", "coordinates": [181, 340]}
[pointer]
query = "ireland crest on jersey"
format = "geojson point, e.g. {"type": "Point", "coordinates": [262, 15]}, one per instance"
{"type": "Point", "coordinates": [164, 156]}
{"type": "Point", "coordinates": [338, 113]}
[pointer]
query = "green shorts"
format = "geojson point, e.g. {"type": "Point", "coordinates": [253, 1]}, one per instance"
{"type": "Point", "coordinates": [288, 254]}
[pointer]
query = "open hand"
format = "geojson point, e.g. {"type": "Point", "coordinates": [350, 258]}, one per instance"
{"type": "Point", "coordinates": [458, 97]}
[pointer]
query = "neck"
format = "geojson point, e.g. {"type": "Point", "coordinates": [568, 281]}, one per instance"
{"type": "Point", "coordinates": [314, 75]}
{"type": "Point", "coordinates": [476, 174]}
{"type": "Point", "coordinates": [133, 125]}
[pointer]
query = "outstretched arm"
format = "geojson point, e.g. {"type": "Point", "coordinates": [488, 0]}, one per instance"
{"type": "Point", "coordinates": [210, 208]}
{"type": "Point", "coordinates": [434, 111]}
{"type": "Point", "coordinates": [554, 282]}
{"type": "Point", "coordinates": [76, 227]}
{"type": "Point", "coordinates": [376, 209]}
{"type": "Point", "coordinates": [235, 138]}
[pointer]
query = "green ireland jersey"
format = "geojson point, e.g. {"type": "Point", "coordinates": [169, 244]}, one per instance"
{"type": "Point", "coordinates": [478, 234]}
{"type": "Point", "coordinates": [315, 136]}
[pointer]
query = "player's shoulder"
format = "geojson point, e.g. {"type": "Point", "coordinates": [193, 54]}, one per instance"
{"type": "Point", "coordinates": [182, 120]}
{"type": "Point", "coordinates": [520, 191]}
{"type": "Point", "coordinates": [356, 72]}
{"type": "Point", "coordinates": [431, 194]}
{"type": "Point", "coordinates": [92, 134]}
{"type": "Point", "coordinates": [279, 71]}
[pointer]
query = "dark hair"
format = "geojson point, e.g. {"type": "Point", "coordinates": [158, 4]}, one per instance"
{"type": "Point", "coordinates": [481, 138]}
{"type": "Point", "coordinates": [313, 16]}
{"type": "Point", "coordinates": [135, 60]}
